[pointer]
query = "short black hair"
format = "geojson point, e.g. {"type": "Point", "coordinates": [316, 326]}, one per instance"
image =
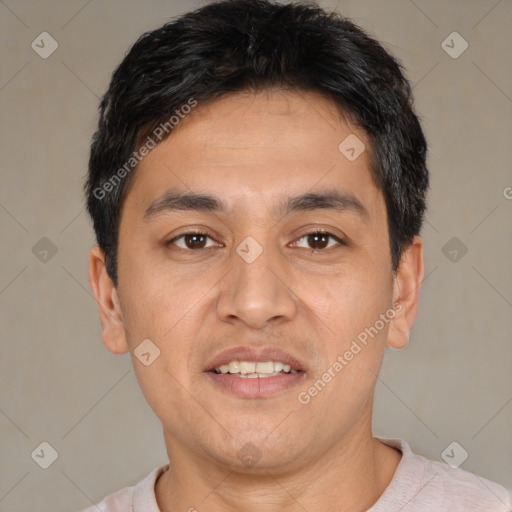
{"type": "Point", "coordinates": [233, 46]}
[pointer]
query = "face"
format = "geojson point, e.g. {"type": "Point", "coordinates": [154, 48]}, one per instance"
{"type": "Point", "coordinates": [279, 254]}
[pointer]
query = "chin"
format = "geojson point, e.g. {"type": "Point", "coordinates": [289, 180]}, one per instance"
{"type": "Point", "coordinates": [256, 452]}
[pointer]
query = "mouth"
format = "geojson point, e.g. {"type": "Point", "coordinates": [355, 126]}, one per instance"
{"type": "Point", "coordinates": [255, 370]}
{"type": "Point", "coordinates": [251, 373]}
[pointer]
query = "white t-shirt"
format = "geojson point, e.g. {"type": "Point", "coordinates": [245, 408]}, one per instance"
{"type": "Point", "coordinates": [418, 485]}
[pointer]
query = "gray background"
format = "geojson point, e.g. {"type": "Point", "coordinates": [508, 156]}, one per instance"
{"type": "Point", "coordinates": [60, 385]}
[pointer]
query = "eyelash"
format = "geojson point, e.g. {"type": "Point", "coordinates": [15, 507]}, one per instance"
{"type": "Point", "coordinates": [314, 232]}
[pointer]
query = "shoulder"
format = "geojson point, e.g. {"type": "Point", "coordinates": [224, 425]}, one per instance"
{"type": "Point", "coordinates": [421, 484]}
{"type": "Point", "coordinates": [468, 490]}
{"type": "Point", "coordinates": [139, 497]}
{"type": "Point", "coordinates": [116, 502]}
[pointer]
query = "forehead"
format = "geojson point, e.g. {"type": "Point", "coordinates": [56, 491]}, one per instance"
{"type": "Point", "coordinates": [258, 146]}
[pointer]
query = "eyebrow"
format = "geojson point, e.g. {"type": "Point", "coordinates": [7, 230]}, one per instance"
{"type": "Point", "coordinates": [333, 199]}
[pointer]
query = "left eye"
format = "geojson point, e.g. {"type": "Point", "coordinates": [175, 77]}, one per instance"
{"type": "Point", "coordinates": [320, 240]}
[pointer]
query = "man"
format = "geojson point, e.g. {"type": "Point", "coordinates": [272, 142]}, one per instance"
{"type": "Point", "coordinates": [257, 185]}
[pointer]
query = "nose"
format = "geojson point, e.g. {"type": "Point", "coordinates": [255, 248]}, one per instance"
{"type": "Point", "coordinates": [256, 293]}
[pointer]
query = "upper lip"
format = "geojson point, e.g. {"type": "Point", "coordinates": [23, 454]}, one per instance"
{"type": "Point", "coordinates": [256, 354]}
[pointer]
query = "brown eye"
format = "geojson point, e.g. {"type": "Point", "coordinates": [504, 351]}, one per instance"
{"type": "Point", "coordinates": [191, 241]}
{"type": "Point", "coordinates": [320, 240]}
{"type": "Point", "coordinates": [195, 241]}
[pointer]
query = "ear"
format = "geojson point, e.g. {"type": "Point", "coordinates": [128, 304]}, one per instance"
{"type": "Point", "coordinates": [406, 292]}
{"type": "Point", "coordinates": [113, 332]}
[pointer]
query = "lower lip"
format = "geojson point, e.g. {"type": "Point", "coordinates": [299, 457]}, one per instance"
{"type": "Point", "coordinates": [255, 388]}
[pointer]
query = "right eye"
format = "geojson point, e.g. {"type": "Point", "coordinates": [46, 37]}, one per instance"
{"type": "Point", "coordinates": [191, 241]}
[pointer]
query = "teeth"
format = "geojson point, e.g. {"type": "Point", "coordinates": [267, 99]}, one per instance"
{"type": "Point", "coordinates": [253, 370]}
{"type": "Point", "coordinates": [267, 367]}
{"type": "Point", "coordinates": [278, 366]}
{"type": "Point", "coordinates": [257, 375]}
{"type": "Point", "coordinates": [246, 367]}
{"type": "Point", "coordinates": [233, 367]}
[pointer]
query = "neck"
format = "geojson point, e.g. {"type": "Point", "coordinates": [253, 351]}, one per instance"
{"type": "Point", "coordinates": [348, 477]}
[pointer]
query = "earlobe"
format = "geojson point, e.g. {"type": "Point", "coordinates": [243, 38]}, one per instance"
{"type": "Point", "coordinates": [406, 292]}
{"type": "Point", "coordinates": [105, 293]}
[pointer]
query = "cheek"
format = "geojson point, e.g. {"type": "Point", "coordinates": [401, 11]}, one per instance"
{"type": "Point", "coordinates": [166, 313]}
{"type": "Point", "coordinates": [347, 301]}
{"type": "Point", "coordinates": [165, 390]}
{"type": "Point", "coordinates": [156, 299]}
{"type": "Point", "coordinates": [167, 308]}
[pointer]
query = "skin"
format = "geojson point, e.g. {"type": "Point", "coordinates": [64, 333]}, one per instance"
{"type": "Point", "coordinates": [250, 150]}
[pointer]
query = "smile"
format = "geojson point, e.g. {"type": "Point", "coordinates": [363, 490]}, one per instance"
{"type": "Point", "coordinates": [254, 370]}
